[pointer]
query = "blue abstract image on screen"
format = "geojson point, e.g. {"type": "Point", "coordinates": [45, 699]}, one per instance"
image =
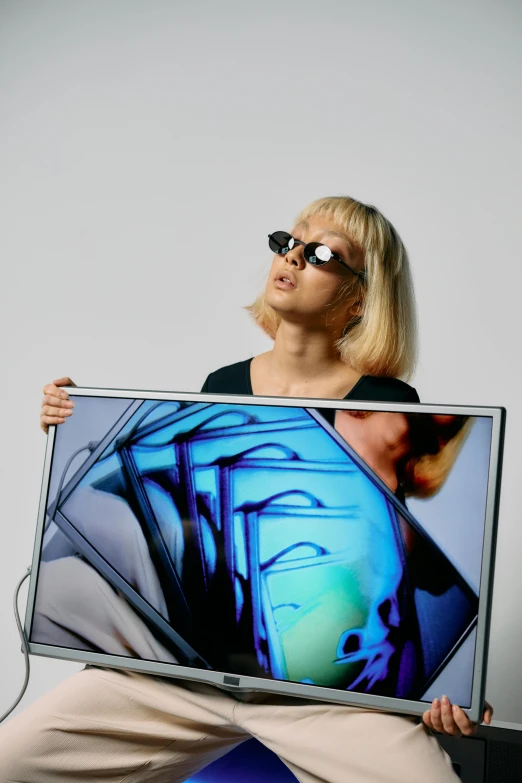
{"type": "Point", "coordinates": [277, 554]}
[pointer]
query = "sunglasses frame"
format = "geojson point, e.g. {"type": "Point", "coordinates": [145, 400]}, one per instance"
{"type": "Point", "coordinates": [309, 249]}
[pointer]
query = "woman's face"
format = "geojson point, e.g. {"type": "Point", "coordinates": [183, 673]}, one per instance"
{"type": "Point", "coordinates": [301, 292]}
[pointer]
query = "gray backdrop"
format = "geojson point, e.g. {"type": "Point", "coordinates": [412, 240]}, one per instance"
{"type": "Point", "coordinates": [148, 148]}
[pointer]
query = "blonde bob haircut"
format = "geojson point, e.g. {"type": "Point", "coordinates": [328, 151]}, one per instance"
{"type": "Point", "coordinates": [382, 339]}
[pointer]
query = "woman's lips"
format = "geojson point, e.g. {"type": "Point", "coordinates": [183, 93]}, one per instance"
{"type": "Point", "coordinates": [284, 283]}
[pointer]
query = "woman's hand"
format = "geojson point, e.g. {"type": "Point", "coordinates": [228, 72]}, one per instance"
{"type": "Point", "coordinates": [451, 719]}
{"type": "Point", "coordinates": [56, 406]}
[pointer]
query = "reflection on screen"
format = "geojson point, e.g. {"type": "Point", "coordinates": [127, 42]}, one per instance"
{"type": "Point", "coordinates": [265, 546]}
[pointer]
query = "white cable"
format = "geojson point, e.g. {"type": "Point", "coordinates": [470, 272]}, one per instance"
{"type": "Point", "coordinates": [24, 648]}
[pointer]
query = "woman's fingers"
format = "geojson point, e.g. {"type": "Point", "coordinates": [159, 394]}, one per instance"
{"type": "Point", "coordinates": [440, 717]}
{"type": "Point", "coordinates": [56, 406]}
{"type": "Point", "coordinates": [64, 382]}
{"type": "Point", "coordinates": [427, 719]}
{"type": "Point", "coordinates": [488, 713]}
{"type": "Point", "coordinates": [57, 410]}
{"type": "Point", "coordinates": [57, 402]}
{"type": "Point", "coordinates": [436, 715]}
{"type": "Point", "coordinates": [55, 387]}
{"type": "Point", "coordinates": [466, 726]}
{"type": "Point", "coordinates": [45, 421]}
{"type": "Point", "coordinates": [448, 719]}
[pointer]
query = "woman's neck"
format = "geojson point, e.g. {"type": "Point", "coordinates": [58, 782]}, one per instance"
{"type": "Point", "coordinates": [302, 363]}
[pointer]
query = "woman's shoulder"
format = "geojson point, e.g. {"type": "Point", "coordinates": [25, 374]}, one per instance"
{"type": "Point", "coordinates": [372, 388]}
{"type": "Point", "coordinates": [232, 379]}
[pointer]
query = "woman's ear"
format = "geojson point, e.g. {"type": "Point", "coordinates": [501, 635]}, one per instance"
{"type": "Point", "coordinates": [355, 309]}
{"type": "Point", "coordinates": [353, 315]}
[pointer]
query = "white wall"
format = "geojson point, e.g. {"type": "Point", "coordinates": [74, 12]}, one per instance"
{"type": "Point", "coordinates": [147, 149]}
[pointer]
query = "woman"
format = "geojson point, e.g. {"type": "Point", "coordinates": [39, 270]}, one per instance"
{"type": "Point", "coordinates": [339, 305]}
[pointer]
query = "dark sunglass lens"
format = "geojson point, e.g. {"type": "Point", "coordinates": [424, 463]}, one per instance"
{"type": "Point", "coordinates": [317, 254]}
{"type": "Point", "coordinates": [280, 242]}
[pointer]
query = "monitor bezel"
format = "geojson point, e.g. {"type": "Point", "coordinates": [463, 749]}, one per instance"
{"type": "Point", "coordinates": [234, 682]}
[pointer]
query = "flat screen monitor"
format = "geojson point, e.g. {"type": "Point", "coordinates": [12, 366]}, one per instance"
{"type": "Point", "coordinates": [326, 550]}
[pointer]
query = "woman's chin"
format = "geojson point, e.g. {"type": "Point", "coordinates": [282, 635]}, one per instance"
{"type": "Point", "coordinates": [281, 303]}
{"type": "Point", "coordinates": [277, 296]}
{"type": "Point", "coordinates": [284, 302]}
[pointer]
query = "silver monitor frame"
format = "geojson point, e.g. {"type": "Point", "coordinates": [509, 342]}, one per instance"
{"type": "Point", "coordinates": [234, 682]}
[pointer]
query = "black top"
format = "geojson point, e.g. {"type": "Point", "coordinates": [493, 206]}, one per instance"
{"type": "Point", "coordinates": [235, 379]}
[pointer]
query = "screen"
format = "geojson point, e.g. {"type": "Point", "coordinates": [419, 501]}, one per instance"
{"type": "Point", "coordinates": [333, 548]}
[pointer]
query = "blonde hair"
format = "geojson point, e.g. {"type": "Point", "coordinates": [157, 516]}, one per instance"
{"type": "Point", "coordinates": [382, 340]}
{"type": "Point", "coordinates": [424, 475]}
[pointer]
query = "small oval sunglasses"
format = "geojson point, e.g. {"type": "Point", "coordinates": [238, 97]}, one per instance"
{"type": "Point", "coordinates": [314, 253]}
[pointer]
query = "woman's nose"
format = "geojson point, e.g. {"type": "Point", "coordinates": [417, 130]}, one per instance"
{"type": "Point", "coordinates": [295, 257]}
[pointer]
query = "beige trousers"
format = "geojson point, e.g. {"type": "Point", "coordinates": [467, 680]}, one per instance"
{"type": "Point", "coordinates": [113, 726]}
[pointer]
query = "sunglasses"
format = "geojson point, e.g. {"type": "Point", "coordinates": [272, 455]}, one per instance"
{"type": "Point", "coordinates": [314, 253]}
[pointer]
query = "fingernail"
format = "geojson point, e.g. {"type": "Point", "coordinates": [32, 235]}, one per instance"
{"type": "Point", "coordinates": [69, 404]}
{"type": "Point", "coordinates": [445, 701]}
{"type": "Point", "coordinates": [436, 703]}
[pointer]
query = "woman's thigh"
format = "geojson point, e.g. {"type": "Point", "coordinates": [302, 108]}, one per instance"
{"type": "Point", "coordinates": [327, 743]}
{"type": "Point", "coordinates": [112, 726]}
